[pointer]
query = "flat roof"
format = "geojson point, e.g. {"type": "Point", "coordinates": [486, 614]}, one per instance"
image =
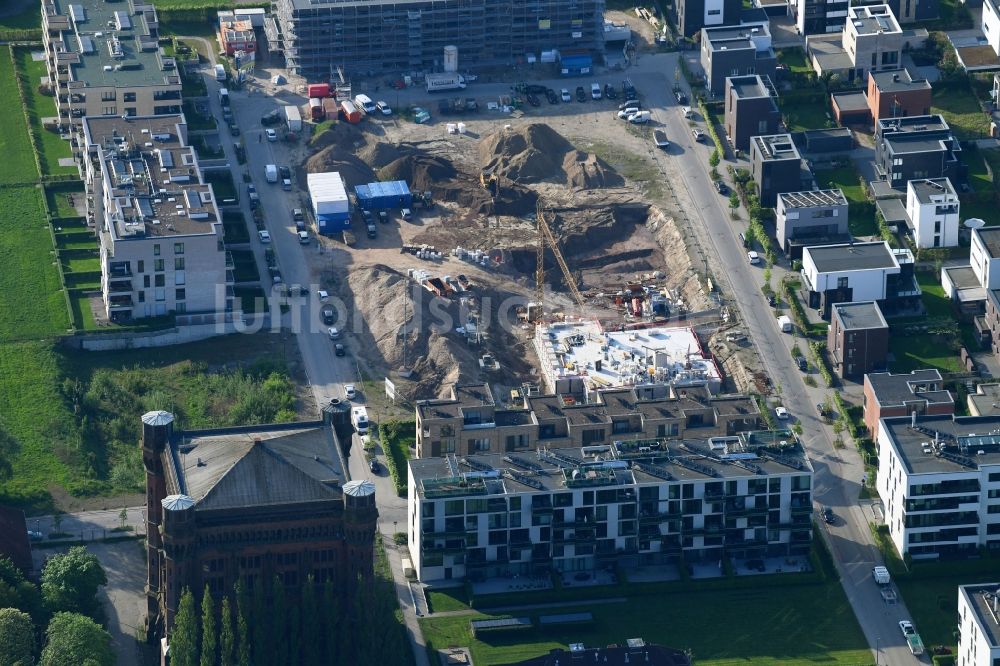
{"type": "Point", "coordinates": [748, 86]}
{"type": "Point", "coordinates": [983, 600]}
{"type": "Point", "coordinates": [829, 52]}
{"type": "Point", "coordinates": [854, 101]}
{"type": "Point", "coordinates": [903, 144]}
{"type": "Point", "coordinates": [108, 44]}
{"type": "Point", "coordinates": [735, 36]}
{"type": "Point", "coordinates": [608, 358]}
{"type": "Point", "coordinates": [933, 190]}
{"type": "Point", "coordinates": [859, 315]}
{"type": "Point", "coordinates": [893, 210]}
{"type": "Point", "coordinates": [776, 147]}
{"type": "Point", "coordinates": [872, 19]}
{"type": "Point", "coordinates": [990, 238]}
{"type": "Point", "coordinates": [852, 257]}
{"type": "Point", "coordinates": [624, 463]}
{"type": "Point", "coordinates": [899, 389]}
{"type": "Point", "coordinates": [960, 439]}
{"type": "Point", "coordinates": [913, 124]}
{"type": "Point", "coordinates": [986, 399]}
{"type": "Point", "coordinates": [152, 176]}
{"type": "Point", "coordinates": [898, 80]}
{"type": "Point", "coordinates": [812, 199]}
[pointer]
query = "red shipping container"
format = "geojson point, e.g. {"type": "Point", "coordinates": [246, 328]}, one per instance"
{"type": "Point", "coordinates": [319, 90]}
{"type": "Point", "coordinates": [350, 112]}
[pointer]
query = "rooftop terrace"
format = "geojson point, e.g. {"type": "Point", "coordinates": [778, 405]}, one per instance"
{"type": "Point", "coordinates": [942, 444]}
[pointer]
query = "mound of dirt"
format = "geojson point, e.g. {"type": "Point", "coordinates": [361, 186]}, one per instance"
{"type": "Point", "coordinates": [380, 153]}
{"type": "Point", "coordinates": [352, 169]}
{"type": "Point", "coordinates": [421, 171]}
{"type": "Point", "coordinates": [536, 153]}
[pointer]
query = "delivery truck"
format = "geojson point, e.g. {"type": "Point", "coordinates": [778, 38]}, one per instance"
{"type": "Point", "coordinates": [359, 419]}
{"type": "Point", "coordinates": [271, 173]}
{"type": "Point", "coordinates": [316, 110]}
{"type": "Point", "coordinates": [319, 90]}
{"type": "Point", "coordinates": [785, 323]}
{"type": "Point", "coordinates": [293, 119]}
{"type": "Point", "coordinates": [224, 97]}
{"type": "Point", "coordinates": [444, 81]}
{"type": "Point", "coordinates": [365, 103]}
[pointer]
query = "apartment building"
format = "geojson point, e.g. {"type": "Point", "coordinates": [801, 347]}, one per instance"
{"type": "Point", "coordinates": [690, 16]}
{"type": "Point", "coordinates": [318, 36]}
{"type": "Point", "coordinates": [967, 284]}
{"type": "Point", "coordinates": [623, 503]}
{"type": "Point", "coordinates": [859, 272]}
{"type": "Point", "coordinates": [751, 109]}
{"type": "Point", "coordinates": [776, 167]}
{"type": "Point", "coordinates": [898, 94]}
{"type": "Point", "coordinates": [939, 480]}
{"type": "Point", "coordinates": [979, 625]}
{"type": "Point", "coordinates": [932, 211]}
{"type": "Point", "coordinates": [920, 391]}
{"type": "Point", "coordinates": [917, 147]}
{"type": "Point", "coordinates": [162, 245]}
{"type": "Point", "coordinates": [990, 24]}
{"type": "Point", "coordinates": [470, 422]}
{"type": "Point", "coordinates": [811, 218]}
{"type": "Point", "coordinates": [236, 35]}
{"type": "Point", "coordinates": [103, 59]}
{"type": "Point", "coordinates": [858, 339]}
{"type": "Point", "coordinates": [820, 17]}
{"type": "Point", "coordinates": [871, 41]}
{"type": "Point", "coordinates": [736, 50]}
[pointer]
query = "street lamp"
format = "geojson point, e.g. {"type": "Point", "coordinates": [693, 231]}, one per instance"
{"type": "Point", "coordinates": [877, 639]}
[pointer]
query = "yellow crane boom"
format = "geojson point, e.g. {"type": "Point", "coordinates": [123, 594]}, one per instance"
{"type": "Point", "coordinates": [545, 236]}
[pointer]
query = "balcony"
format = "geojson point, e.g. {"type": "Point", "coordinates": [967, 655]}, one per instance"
{"type": "Point", "coordinates": [120, 302]}
{"type": "Point", "coordinates": [119, 286]}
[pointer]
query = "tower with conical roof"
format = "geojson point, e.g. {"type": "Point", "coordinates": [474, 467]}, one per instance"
{"type": "Point", "coordinates": [157, 428]}
{"type": "Point", "coordinates": [360, 517]}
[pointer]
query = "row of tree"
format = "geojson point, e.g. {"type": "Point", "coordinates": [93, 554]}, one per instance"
{"type": "Point", "coordinates": [269, 625]}
{"type": "Point", "coordinates": [63, 616]}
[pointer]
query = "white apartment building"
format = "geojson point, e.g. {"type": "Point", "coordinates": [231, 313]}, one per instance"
{"type": "Point", "coordinates": [984, 256]}
{"type": "Point", "coordinates": [162, 248]}
{"type": "Point", "coordinates": [979, 625]}
{"type": "Point", "coordinates": [627, 503]}
{"type": "Point", "coordinates": [104, 58]}
{"type": "Point", "coordinates": [991, 24]}
{"type": "Point", "coordinates": [932, 212]}
{"type": "Point", "coordinates": [855, 272]}
{"type": "Point", "coordinates": [939, 480]}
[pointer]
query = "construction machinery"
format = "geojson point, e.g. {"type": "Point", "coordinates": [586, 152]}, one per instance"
{"type": "Point", "coordinates": [546, 237]}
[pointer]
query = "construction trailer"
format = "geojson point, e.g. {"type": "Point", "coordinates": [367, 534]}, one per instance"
{"type": "Point", "coordinates": [330, 204]}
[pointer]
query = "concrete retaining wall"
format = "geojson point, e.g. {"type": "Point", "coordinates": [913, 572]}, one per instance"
{"type": "Point", "coordinates": [192, 332]}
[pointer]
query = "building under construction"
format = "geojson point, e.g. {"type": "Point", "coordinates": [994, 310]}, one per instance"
{"type": "Point", "coordinates": [317, 36]}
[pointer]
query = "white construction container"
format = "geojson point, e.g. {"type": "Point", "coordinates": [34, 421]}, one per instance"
{"type": "Point", "coordinates": [293, 118]}
{"type": "Point", "coordinates": [328, 194]}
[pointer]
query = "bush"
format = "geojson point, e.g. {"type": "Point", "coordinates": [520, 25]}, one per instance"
{"type": "Point", "coordinates": [818, 350]}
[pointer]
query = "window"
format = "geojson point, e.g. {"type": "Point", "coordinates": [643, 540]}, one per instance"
{"type": "Point", "coordinates": [180, 295]}
{"type": "Point", "coordinates": [178, 248]}
{"type": "Point", "coordinates": [713, 12]}
{"type": "Point", "coordinates": [128, 97]}
{"type": "Point", "coordinates": [109, 110]}
{"type": "Point", "coordinates": [479, 445]}
{"type": "Point", "coordinates": [179, 278]}
{"type": "Point", "coordinates": [108, 96]}
{"type": "Point", "coordinates": [156, 250]}
{"type": "Point", "coordinates": [145, 281]}
{"type": "Point", "coordinates": [158, 265]}
{"type": "Point", "coordinates": [593, 436]}
{"type": "Point", "coordinates": [141, 266]}
{"type": "Point", "coordinates": [142, 296]}
{"type": "Point", "coordinates": [842, 283]}
{"type": "Point", "coordinates": [161, 280]}
{"type": "Point", "coordinates": [178, 263]}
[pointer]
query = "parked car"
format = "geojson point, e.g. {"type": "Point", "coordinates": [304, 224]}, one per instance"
{"type": "Point", "coordinates": [374, 466]}
{"type": "Point", "coordinates": [270, 118]}
{"type": "Point", "coordinates": [698, 135]}
{"type": "Point", "coordinates": [802, 363]}
{"type": "Point", "coordinates": [595, 91]}
{"type": "Point", "coordinates": [264, 236]}
{"type": "Point", "coordinates": [628, 111]}
{"type": "Point", "coordinates": [533, 99]}
{"type": "Point", "coordinates": [406, 214]}
{"type": "Point", "coordinates": [610, 92]}
{"type": "Point", "coordinates": [329, 314]}
{"type": "Point", "coordinates": [284, 172]}
{"type": "Point", "coordinates": [333, 333]}
{"type": "Point", "coordinates": [234, 129]}
{"type": "Point", "coordinates": [271, 134]}
{"type": "Point", "coordinates": [630, 103]}
{"type": "Point", "coordinates": [564, 94]}
{"type": "Point", "coordinates": [338, 349]}
{"type": "Point", "coordinates": [581, 94]}
{"type": "Point", "coordinates": [781, 412]}
{"type": "Point", "coordinates": [350, 391]}
{"type": "Point", "coordinates": [35, 536]}
{"type": "Point", "coordinates": [828, 517]}
{"type": "Point", "coordinates": [721, 187]}
{"type": "Point", "coordinates": [384, 108]}
{"type": "Point", "coordinates": [681, 97]}
{"type": "Point", "coordinates": [551, 95]}
{"type": "Point", "coordinates": [383, 217]}
{"type": "Point", "coordinates": [753, 258]}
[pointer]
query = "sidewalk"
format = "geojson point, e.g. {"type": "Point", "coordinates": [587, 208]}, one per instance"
{"type": "Point", "coordinates": [90, 525]}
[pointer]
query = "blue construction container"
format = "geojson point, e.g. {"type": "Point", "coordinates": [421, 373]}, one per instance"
{"type": "Point", "coordinates": [334, 223]}
{"type": "Point", "coordinates": [576, 65]}
{"type": "Point", "coordinates": [382, 196]}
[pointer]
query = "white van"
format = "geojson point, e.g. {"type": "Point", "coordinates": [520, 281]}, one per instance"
{"type": "Point", "coordinates": [304, 237]}
{"type": "Point", "coordinates": [595, 90]}
{"type": "Point", "coordinates": [359, 419]}
{"type": "Point", "coordinates": [365, 103]}
{"type": "Point", "coordinates": [220, 73]}
{"type": "Point", "coordinates": [686, 111]}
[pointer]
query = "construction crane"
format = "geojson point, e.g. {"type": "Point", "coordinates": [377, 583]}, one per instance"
{"type": "Point", "coordinates": [546, 237]}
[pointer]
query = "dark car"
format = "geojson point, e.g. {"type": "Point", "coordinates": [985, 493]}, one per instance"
{"type": "Point", "coordinates": [383, 217]}
{"type": "Point", "coordinates": [533, 99]}
{"type": "Point", "coordinates": [234, 129]}
{"type": "Point", "coordinates": [374, 466]}
{"type": "Point", "coordinates": [329, 315]}
{"type": "Point", "coordinates": [681, 97]}
{"type": "Point", "coordinates": [828, 517]}
{"type": "Point", "coordinates": [338, 350]}
{"type": "Point", "coordinates": [552, 96]}
{"type": "Point", "coordinates": [628, 90]}
{"type": "Point", "coordinates": [271, 118]}
{"type": "Point", "coordinates": [284, 172]}
{"type": "Point", "coordinates": [535, 89]}
{"type": "Point", "coordinates": [802, 363]}
{"type": "Point", "coordinates": [772, 301]}
{"type": "Point", "coordinates": [721, 187]}
{"type": "Point", "coordinates": [581, 94]}
{"type": "Point", "coordinates": [372, 230]}
{"type": "Point", "coordinates": [610, 92]}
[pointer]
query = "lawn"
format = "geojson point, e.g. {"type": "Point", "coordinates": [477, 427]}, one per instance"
{"type": "Point", "coordinates": [450, 599]}
{"type": "Point", "coordinates": [979, 177]}
{"type": "Point", "coordinates": [75, 416]}
{"type": "Point", "coordinates": [961, 110]}
{"type": "Point", "coordinates": [249, 298]}
{"type": "Point", "coordinates": [860, 212]}
{"type": "Point", "coordinates": [29, 19]}
{"type": "Point", "coordinates": [197, 121]}
{"type": "Point", "coordinates": [244, 266]}
{"type": "Point", "coordinates": [32, 305]}
{"type": "Point", "coordinates": [42, 106]}
{"type": "Point", "coordinates": [18, 163]}
{"type": "Point", "coordinates": [805, 110]}
{"type": "Point", "coordinates": [222, 184]}
{"type": "Point", "coordinates": [808, 624]}
{"type": "Point", "coordinates": [57, 198]}
{"type": "Point", "coordinates": [235, 227]}
{"type": "Point", "coordinates": [913, 352]}
{"type": "Point", "coordinates": [795, 60]}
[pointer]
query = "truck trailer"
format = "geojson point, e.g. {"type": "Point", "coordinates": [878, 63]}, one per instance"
{"type": "Point", "coordinates": [444, 81]}
{"type": "Point", "coordinates": [293, 118]}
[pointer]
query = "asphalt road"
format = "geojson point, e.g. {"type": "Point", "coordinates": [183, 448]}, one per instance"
{"type": "Point", "coordinates": [837, 472]}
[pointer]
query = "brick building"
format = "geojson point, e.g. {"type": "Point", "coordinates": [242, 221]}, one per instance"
{"type": "Point", "coordinates": [897, 94]}
{"type": "Point", "coordinates": [858, 338]}
{"type": "Point", "coordinates": [247, 504]}
{"type": "Point", "coordinates": [919, 391]}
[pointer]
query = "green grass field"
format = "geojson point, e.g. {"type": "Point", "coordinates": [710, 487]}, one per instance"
{"type": "Point", "coordinates": [805, 110]}
{"type": "Point", "coordinates": [42, 106]}
{"type": "Point", "coordinates": [961, 109]}
{"type": "Point", "coordinates": [795, 60]}
{"type": "Point", "coordinates": [29, 19]}
{"type": "Point", "coordinates": [861, 217]}
{"type": "Point", "coordinates": [32, 305]}
{"type": "Point", "coordinates": [56, 198]}
{"type": "Point", "coordinates": [18, 163]}
{"type": "Point", "coordinates": [790, 626]}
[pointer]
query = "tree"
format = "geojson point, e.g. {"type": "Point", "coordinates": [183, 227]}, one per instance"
{"type": "Point", "coordinates": [16, 592]}
{"type": "Point", "coordinates": [242, 625]}
{"type": "Point", "coordinates": [17, 638]}
{"type": "Point", "coordinates": [331, 619]}
{"type": "Point", "coordinates": [70, 582]}
{"type": "Point", "coordinates": [73, 639]}
{"type": "Point", "coordinates": [227, 639]}
{"type": "Point", "coordinates": [714, 158]}
{"type": "Point", "coordinates": [208, 635]}
{"type": "Point", "coordinates": [278, 611]}
{"type": "Point", "coordinates": [262, 639]}
{"type": "Point", "coordinates": [311, 628]}
{"type": "Point", "coordinates": [184, 638]}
